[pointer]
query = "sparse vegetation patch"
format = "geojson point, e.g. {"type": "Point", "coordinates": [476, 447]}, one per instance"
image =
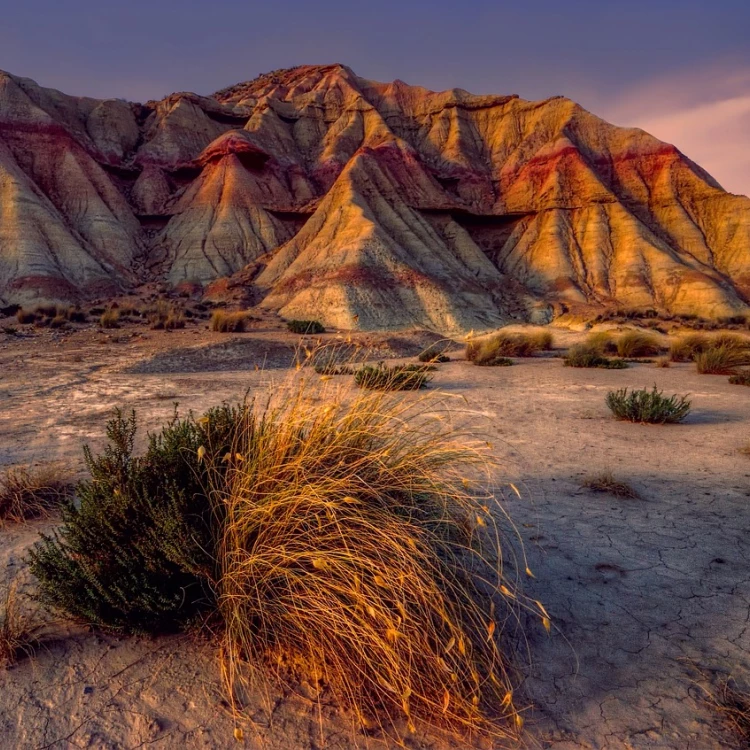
{"type": "Point", "coordinates": [305, 326]}
{"type": "Point", "coordinates": [394, 378]}
{"type": "Point", "coordinates": [337, 538]}
{"type": "Point", "coordinates": [32, 493]}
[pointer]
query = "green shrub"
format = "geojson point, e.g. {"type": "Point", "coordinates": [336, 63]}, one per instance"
{"type": "Point", "coordinates": [584, 355]}
{"type": "Point", "coordinates": [228, 322]}
{"type": "Point", "coordinates": [136, 553]}
{"type": "Point", "coordinates": [638, 344]}
{"type": "Point", "coordinates": [643, 405]}
{"type": "Point", "coordinates": [305, 326]}
{"type": "Point", "coordinates": [740, 378]}
{"type": "Point", "coordinates": [395, 378]}
{"type": "Point", "coordinates": [434, 353]}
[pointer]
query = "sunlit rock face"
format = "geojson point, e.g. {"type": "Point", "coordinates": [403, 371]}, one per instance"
{"type": "Point", "coordinates": [362, 204]}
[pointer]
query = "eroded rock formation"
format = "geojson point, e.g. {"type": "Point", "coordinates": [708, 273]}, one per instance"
{"type": "Point", "coordinates": [361, 204]}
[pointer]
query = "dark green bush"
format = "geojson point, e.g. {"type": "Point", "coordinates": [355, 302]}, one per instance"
{"type": "Point", "coordinates": [586, 355]}
{"type": "Point", "coordinates": [136, 553]}
{"type": "Point", "coordinates": [643, 405]}
{"type": "Point", "coordinates": [740, 378]}
{"type": "Point", "coordinates": [305, 326]}
{"type": "Point", "coordinates": [396, 378]}
{"type": "Point", "coordinates": [434, 353]}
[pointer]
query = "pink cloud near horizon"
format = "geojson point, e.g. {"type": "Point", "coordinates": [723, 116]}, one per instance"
{"type": "Point", "coordinates": [705, 114]}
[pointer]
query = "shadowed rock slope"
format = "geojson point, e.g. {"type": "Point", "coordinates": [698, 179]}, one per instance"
{"type": "Point", "coordinates": [362, 204]}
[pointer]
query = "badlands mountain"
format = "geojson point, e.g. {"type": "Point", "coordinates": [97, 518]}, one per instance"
{"type": "Point", "coordinates": [325, 195]}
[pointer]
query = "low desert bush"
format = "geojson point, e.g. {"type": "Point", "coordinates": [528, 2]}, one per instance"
{"type": "Point", "coordinates": [136, 553]}
{"type": "Point", "coordinates": [583, 355]}
{"type": "Point", "coordinates": [740, 378]}
{"type": "Point", "coordinates": [638, 344]}
{"type": "Point", "coordinates": [336, 540]}
{"type": "Point", "coordinates": [33, 493]}
{"type": "Point", "coordinates": [606, 482]}
{"type": "Point", "coordinates": [395, 378]}
{"type": "Point", "coordinates": [663, 362]}
{"type": "Point", "coordinates": [305, 326]}
{"type": "Point", "coordinates": [16, 629]}
{"type": "Point", "coordinates": [645, 406]}
{"type": "Point", "coordinates": [110, 318]}
{"type": "Point", "coordinates": [434, 353]}
{"type": "Point", "coordinates": [25, 316]}
{"type": "Point", "coordinates": [721, 360]}
{"type": "Point", "coordinates": [228, 322]}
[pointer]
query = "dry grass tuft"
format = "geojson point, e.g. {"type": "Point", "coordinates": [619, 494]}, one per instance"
{"type": "Point", "coordinates": [732, 704]}
{"type": "Point", "coordinates": [32, 493]}
{"type": "Point", "coordinates": [110, 318]}
{"type": "Point", "coordinates": [497, 348]}
{"type": "Point", "coordinates": [358, 554]}
{"type": "Point", "coordinates": [602, 342]}
{"type": "Point", "coordinates": [228, 322]}
{"type": "Point", "coordinates": [663, 362]}
{"type": "Point", "coordinates": [684, 348]}
{"type": "Point", "coordinates": [638, 344]}
{"type": "Point", "coordinates": [16, 630]}
{"type": "Point", "coordinates": [721, 360]}
{"type": "Point", "coordinates": [606, 482]}
{"type": "Point", "coordinates": [164, 316]}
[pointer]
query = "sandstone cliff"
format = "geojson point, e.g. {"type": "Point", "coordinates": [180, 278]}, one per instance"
{"type": "Point", "coordinates": [361, 204]}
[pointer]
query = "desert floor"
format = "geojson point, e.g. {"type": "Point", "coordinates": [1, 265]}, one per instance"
{"type": "Point", "coordinates": [650, 597]}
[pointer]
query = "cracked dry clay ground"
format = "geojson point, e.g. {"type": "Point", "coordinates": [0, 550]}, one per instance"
{"type": "Point", "coordinates": [645, 594]}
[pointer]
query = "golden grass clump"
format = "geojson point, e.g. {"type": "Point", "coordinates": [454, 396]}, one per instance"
{"type": "Point", "coordinates": [497, 347]}
{"type": "Point", "coordinates": [638, 344]}
{"type": "Point", "coordinates": [164, 316]}
{"type": "Point", "coordinates": [16, 636]}
{"type": "Point", "coordinates": [602, 342]}
{"type": "Point", "coordinates": [32, 493]}
{"type": "Point", "coordinates": [684, 348]}
{"type": "Point", "coordinates": [721, 360]}
{"type": "Point", "coordinates": [732, 703]}
{"type": "Point", "coordinates": [223, 321]}
{"type": "Point", "coordinates": [110, 318]}
{"type": "Point", "coordinates": [606, 482]}
{"type": "Point", "coordinates": [360, 553]}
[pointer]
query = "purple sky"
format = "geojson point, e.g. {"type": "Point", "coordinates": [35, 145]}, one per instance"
{"type": "Point", "coordinates": [678, 68]}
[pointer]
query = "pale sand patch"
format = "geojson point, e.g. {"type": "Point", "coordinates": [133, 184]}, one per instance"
{"type": "Point", "coordinates": [639, 590]}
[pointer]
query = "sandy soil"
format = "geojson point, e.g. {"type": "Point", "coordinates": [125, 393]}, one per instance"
{"type": "Point", "coordinates": [644, 594]}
